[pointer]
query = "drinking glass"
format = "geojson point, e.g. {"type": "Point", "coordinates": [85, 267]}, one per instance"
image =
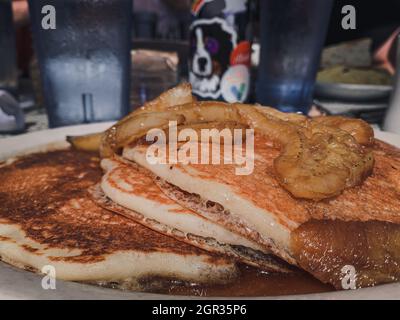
{"type": "Point", "coordinates": [85, 61]}
{"type": "Point", "coordinates": [292, 35]}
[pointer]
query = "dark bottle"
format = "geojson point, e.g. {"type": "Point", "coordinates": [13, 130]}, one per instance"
{"type": "Point", "coordinates": [220, 50]}
{"type": "Point", "coordinates": [85, 59]}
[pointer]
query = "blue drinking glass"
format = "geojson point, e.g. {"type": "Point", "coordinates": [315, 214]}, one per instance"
{"type": "Point", "coordinates": [292, 35]}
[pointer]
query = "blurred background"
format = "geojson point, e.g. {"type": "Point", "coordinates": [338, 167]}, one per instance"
{"type": "Point", "coordinates": [305, 61]}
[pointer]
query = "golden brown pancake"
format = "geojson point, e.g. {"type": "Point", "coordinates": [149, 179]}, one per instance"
{"type": "Point", "coordinates": [254, 206]}
{"type": "Point", "coordinates": [257, 206]}
{"type": "Point", "coordinates": [48, 218]}
{"type": "Point", "coordinates": [130, 191]}
{"type": "Point", "coordinates": [378, 198]}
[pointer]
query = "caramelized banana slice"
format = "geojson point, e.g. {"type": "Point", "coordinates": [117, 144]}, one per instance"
{"type": "Point", "coordinates": [181, 94]}
{"type": "Point", "coordinates": [322, 162]}
{"type": "Point", "coordinates": [88, 142]}
{"type": "Point", "coordinates": [359, 129]}
{"type": "Point", "coordinates": [230, 125]}
{"type": "Point", "coordinates": [286, 116]}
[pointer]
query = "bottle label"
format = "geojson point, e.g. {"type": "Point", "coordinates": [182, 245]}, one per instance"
{"type": "Point", "coordinates": [218, 62]}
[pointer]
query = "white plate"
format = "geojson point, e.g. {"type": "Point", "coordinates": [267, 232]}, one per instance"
{"type": "Point", "coordinates": [351, 92]}
{"type": "Point", "coordinates": [20, 284]}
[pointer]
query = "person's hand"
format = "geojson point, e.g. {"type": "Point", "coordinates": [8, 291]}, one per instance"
{"type": "Point", "coordinates": [20, 12]}
{"type": "Point", "coordinates": [384, 56]}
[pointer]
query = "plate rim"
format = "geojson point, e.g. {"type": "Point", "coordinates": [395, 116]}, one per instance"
{"type": "Point", "coordinates": [354, 86]}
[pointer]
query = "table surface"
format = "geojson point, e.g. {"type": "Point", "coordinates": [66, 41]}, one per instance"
{"type": "Point", "coordinates": [35, 119]}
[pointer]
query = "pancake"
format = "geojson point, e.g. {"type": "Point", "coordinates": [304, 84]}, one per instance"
{"type": "Point", "coordinates": [257, 207]}
{"type": "Point", "coordinates": [254, 206]}
{"type": "Point", "coordinates": [48, 218]}
{"type": "Point", "coordinates": [129, 190]}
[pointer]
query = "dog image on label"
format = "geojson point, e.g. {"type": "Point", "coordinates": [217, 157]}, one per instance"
{"type": "Point", "coordinates": [219, 50]}
{"type": "Point", "coordinates": [212, 42]}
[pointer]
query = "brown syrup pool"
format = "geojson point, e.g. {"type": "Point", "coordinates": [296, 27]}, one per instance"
{"type": "Point", "coordinates": [252, 282]}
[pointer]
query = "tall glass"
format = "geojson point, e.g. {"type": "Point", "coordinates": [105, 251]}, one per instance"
{"type": "Point", "coordinates": [85, 61]}
{"type": "Point", "coordinates": [292, 35]}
